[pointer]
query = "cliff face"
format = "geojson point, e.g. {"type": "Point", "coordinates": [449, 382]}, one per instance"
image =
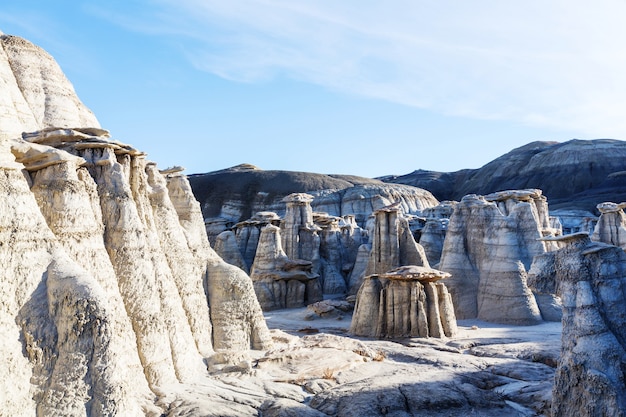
{"type": "Point", "coordinates": [111, 296]}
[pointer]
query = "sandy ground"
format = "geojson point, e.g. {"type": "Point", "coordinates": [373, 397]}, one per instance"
{"type": "Point", "coordinates": [318, 369]}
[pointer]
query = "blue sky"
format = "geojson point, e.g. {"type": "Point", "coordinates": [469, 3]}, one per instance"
{"type": "Point", "coordinates": [349, 87]}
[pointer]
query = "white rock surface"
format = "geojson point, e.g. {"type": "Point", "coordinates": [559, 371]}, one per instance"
{"type": "Point", "coordinates": [35, 92]}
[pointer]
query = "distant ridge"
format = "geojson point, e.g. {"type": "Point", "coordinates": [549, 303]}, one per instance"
{"type": "Point", "coordinates": [577, 174]}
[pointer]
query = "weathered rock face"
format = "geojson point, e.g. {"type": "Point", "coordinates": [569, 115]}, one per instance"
{"type": "Point", "coordinates": [226, 247]}
{"type": "Point", "coordinates": [574, 221]}
{"type": "Point", "coordinates": [488, 248]}
{"type": "Point", "coordinates": [611, 227]}
{"type": "Point", "coordinates": [433, 234]}
{"type": "Point", "coordinates": [113, 306]}
{"type": "Point", "coordinates": [235, 194]}
{"type": "Point", "coordinates": [406, 302]}
{"type": "Point", "coordinates": [280, 282]}
{"type": "Point", "coordinates": [298, 233]}
{"type": "Point", "coordinates": [249, 231]}
{"type": "Point", "coordinates": [35, 92]}
{"type": "Point", "coordinates": [391, 245]}
{"type": "Point", "coordinates": [590, 277]}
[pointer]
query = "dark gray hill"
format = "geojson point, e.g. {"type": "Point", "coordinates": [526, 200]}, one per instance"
{"type": "Point", "coordinates": [573, 174]}
{"type": "Point", "coordinates": [239, 192]}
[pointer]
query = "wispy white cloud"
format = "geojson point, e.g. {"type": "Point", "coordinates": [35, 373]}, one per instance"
{"type": "Point", "coordinates": [557, 64]}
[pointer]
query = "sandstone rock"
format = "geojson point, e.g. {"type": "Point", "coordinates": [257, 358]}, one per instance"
{"type": "Point", "coordinates": [249, 231]}
{"type": "Point", "coordinates": [141, 291]}
{"type": "Point", "coordinates": [575, 221]}
{"type": "Point", "coordinates": [36, 93]}
{"type": "Point", "coordinates": [406, 302]}
{"type": "Point", "coordinates": [333, 254]}
{"type": "Point", "coordinates": [432, 236]}
{"type": "Point", "coordinates": [393, 244]}
{"type": "Point", "coordinates": [65, 317]}
{"type": "Point", "coordinates": [280, 282]}
{"type": "Point", "coordinates": [611, 227]}
{"type": "Point", "coordinates": [226, 247]}
{"type": "Point", "coordinates": [488, 248]}
{"type": "Point", "coordinates": [300, 239]}
{"type": "Point", "coordinates": [591, 279]}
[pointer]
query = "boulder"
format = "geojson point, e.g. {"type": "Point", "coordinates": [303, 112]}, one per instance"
{"type": "Point", "coordinates": [405, 302]}
{"type": "Point", "coordinates": [590, 278]}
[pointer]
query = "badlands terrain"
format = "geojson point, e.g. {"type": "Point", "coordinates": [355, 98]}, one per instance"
{"type": "Point", "coordinates": [130, 290]}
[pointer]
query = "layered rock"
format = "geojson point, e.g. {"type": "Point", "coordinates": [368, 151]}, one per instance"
{"type": "Point", "coordinates": [405, 302]}
{"type": "Point", "coordinates": [35, 92]}
{"type": "Point", "coordinates": [280, 282]}
{"type": "Point", "coordinates": [226, 247]}
{"type": "Point", "coordinates": [590, 277]}
{"type": "Point", "coordinates": [488, 248]}
{"type": "Point", "coordinates": [334, 256]}
{"type": "Point", "coordinates": [391, 245]}
{"type": "Point", "coordinates": [432, 236]}
{"type": "Point", "coordinates": [120, 264]}
{"type": "Point", "coordinates": [248, 232]}
{"type": "Point", "coordinates": [574, 221]}
{"type": "Point", "coordinates": [300, 239]}
{"type": "Point", "coordinates": [60, 315]}
{"type": "Point", "coordinates": [611, 227]}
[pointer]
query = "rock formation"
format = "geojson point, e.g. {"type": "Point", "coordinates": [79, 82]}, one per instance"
{"type": "Point", "coordinates": [280, 282]}
{"type": "Point", "coordinates": [574, 221]}
{"type": "Point", "coordinates": [611, 227]}
{"type": "Point", "coordinates": [404, 302]}
{"type": "Point", "coordinates": [119, 267]}
{"type": "Point", "coordinates": [226, 247]}
{"type": "Point", "coordinates": [247, 234]}
{"type": "Point", "coordinates": [391, 245]}
{"type": "Point", "coordinates": [590, 277]}
{"type": "Point", "coordinates": [35, 92]}
{"type": "Point", "coordinates": [300, 239]}
{"type": "Point", "coordinates": [488, 248]}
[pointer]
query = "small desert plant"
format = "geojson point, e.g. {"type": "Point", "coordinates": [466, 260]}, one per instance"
{"type": "Point", "coordinates": [328, 373]}
{"type": "Point", "coordinates": [380, 356]}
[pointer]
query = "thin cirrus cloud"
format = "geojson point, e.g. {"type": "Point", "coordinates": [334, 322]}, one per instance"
{"type": "Point", "coordinates": [555, 64]}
